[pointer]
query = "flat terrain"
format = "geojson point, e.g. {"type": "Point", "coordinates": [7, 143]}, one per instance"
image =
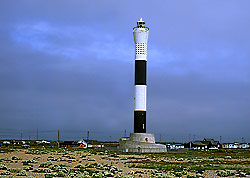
{"type": "Point", "coordinates": [50, 162]}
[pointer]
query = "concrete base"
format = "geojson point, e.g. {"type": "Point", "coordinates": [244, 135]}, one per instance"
{"type": "Point", "coordinates": [141, 143]}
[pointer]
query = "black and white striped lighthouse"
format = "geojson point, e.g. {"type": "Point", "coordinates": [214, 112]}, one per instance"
{"type": "Point", "coordinates": [140, 99]}
{"type": "Point", "coordinates": [140, 141]}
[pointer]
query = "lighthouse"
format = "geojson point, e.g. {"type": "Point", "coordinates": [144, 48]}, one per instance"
{"type": "Point", "coordinates": [140, 33]}
{"type": "Point", "coordinates": [140, 141]}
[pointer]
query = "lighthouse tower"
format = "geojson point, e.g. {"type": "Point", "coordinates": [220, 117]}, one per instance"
{"type": "Point", "coordinates": [140, 99]}
{"type": "Point", "coordinates": [140, 141]}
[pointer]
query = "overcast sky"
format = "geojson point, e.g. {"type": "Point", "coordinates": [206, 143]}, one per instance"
{"type": "Point", "coordinates": [69, 65]}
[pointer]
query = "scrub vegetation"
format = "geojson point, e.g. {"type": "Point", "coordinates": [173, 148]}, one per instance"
{"type": "Point", "coordinates": [53, 162]}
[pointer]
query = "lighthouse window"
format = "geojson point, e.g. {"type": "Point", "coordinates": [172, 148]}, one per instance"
{"type": "Point", "coordinates": [141, 48]}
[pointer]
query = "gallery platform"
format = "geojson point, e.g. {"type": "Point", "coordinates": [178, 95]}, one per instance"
{"type": "Point", "coordinates": [141, 143]}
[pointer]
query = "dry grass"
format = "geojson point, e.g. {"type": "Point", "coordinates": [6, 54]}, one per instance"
{"type": "Point", "coordinates": [48, 162]}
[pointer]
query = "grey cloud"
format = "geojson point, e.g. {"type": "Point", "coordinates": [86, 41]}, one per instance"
{"type": "Point", "coordinates": [82, 78]}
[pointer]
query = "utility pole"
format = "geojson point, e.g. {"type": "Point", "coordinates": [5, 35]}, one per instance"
{"type": "Point", "coordinates": [58, 135]}
{"type": "Point", "coordinates": [58, 138]}
{"type": "Point", "coordinates": [88, 135]}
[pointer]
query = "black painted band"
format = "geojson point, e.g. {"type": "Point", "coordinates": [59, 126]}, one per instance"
{"type": "Point", "coordinates": [139, 121]}
{"type": "Point", "coordinates": [140, 72]}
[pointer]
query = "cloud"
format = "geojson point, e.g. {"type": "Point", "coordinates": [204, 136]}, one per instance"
{"type": "Point", "coordinates": [81, 41]}
{"type": "Point", "coordinates": [72, 67]}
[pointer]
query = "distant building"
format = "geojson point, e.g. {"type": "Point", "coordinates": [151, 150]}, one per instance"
{"type": "Point", "coordinates": [93, 143]}
{"type": "Point", "coordinates": [235, 145]}
{"type": "Point", "coordinates": [173, 146]}
{"type": "Point", "coordinates": [71, 144]}
{"type": "Point", "coordinates": [83, 143]}
{"type": "Point", "coordinates": [211, 143]}
{"type": "Point", "coordinates": [197, 145]}
{"type": "Point", "coordinates": [6, 142]}
{"type": "Point", "coordinates": [46, 142]}
{"type": "Point", "coordinates": [244, 145]}
{"type": "Point", "coordinates": [206, 143]}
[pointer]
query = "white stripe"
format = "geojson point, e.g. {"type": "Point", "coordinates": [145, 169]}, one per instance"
{"type": "Point", "coordinates": [140, 58]}
{"type": "Point", "coordinates": [140, 97]}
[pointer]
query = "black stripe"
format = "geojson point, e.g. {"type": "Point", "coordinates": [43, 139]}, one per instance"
{"type": "Point", "coordinates": [139, 120]}
{"type": "Point", "coordinates": [140, 72]}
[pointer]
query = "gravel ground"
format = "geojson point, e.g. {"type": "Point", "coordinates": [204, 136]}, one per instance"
{"type": "Point", "coordinates": [87, 163]}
